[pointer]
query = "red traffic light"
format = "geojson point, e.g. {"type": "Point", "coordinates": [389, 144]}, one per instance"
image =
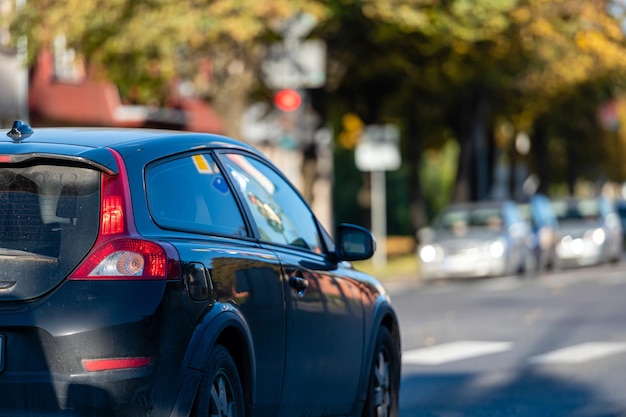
{"type": "Point", "coordinates": [287, 100]}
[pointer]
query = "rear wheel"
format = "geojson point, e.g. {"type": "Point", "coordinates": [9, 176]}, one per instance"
{"type": "Point", "coordinates": [384, 382]}
{"type": "Point", "coordinates": [220, 393]}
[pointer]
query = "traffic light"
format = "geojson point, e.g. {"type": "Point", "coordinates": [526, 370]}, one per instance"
{"type": "Point", "coordinates": [287, 100]}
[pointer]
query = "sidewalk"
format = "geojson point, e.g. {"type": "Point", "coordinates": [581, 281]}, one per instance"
{"type": "Point", "coordinates": [401, 282]}
{"type": "Point", "coordinates": [400, 273]}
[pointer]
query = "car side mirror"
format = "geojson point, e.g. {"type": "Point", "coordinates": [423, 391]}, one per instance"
{"type": "Point", "coordinates": [354, 243]}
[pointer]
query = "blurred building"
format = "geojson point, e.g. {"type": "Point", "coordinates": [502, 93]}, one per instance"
{"type": "Point", "coordinates": [61, 92]}
{"type": "Point", "coordinates": [58, 91]}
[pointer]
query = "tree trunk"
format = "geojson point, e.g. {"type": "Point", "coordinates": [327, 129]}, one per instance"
{"type": "Point", "coordinates": [540, 150]}
{"type": "Point", "coordinates": [572, 174]}
{"type": "Point", "coordinates": [416, 196]}
{"type": "Point", "coordinates": [472, 174]}
{"type": "Point", "coordinates": [463, 183]}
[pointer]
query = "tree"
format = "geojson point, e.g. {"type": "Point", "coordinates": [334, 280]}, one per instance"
{"type": "Point", "coordinates": [460, 66]}
{"type": "Point", "coordinates": [505, 58]}
{"type": "Point", "coordinates": [432, 67]}
{"type": "Point", "coordinates": [141, 45]}
{"type": "Point", "coordinates": [578, 63]}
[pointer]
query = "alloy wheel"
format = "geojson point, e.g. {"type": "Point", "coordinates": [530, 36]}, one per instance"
{"type": "Point", "coordinates": [382, 388]}
{"type": "Point", "coordinates": [222, 402]}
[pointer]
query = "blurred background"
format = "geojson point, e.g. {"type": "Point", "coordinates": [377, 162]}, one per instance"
{"type": "Point", "coordinates": [382, 112]}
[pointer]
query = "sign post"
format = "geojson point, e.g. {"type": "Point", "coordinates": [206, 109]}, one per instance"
{"type": "Point", "coordinates": [378, 151]}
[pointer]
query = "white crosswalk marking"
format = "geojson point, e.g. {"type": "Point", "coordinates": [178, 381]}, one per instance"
{"type": "Point", "coordinates": [448, 352]}
{"type": "Point", "coordinates": [579, 353]}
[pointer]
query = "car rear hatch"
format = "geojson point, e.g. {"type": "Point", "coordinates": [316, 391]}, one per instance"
{"type": "Point", "coordinates": [49, 214]}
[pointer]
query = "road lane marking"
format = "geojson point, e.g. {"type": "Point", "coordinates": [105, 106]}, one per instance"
{"type": "Point", "coordinates": [584, 352]}
{"type": "Point", "coordinates": [454, 351]}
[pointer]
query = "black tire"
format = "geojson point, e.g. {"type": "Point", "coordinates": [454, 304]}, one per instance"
{"type": "Point", "coordinates": [220, 393]}
{"type": "Point", "coordinates": [384, 380]}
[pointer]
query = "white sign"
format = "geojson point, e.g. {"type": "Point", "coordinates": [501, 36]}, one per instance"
{"type": "Point", "coordinates": [300, 66]}
{"type": "Point", "coordinates": [371, 156]}
{"type": "Point", "coordinates": [378, 149]}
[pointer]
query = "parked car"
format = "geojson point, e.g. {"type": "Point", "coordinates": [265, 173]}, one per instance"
{"type": "Point", "coordinates": [545, 225]}
{"type": "Point", "coordinates": [590, 231]}
{"type": "Point", "coordinates": [476, 240]}
{"type": "Point", "coordinates": [148, 272]}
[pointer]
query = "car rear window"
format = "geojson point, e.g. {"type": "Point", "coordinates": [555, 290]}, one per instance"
{"type": "Point", "coordinates": [48, 216]}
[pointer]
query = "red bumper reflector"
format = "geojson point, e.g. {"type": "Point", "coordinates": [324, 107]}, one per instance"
{"type": "Point", "coordinates": [98, 365]}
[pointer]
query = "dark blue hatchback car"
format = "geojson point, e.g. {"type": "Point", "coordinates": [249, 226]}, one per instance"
{"type": "Point", "coordinates": [157, 273]}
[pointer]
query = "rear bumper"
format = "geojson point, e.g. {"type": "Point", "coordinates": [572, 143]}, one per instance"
{"type": "Point", "coordinates": [46, 341]}
{"type": "Point", "coordinates": [46, 394]}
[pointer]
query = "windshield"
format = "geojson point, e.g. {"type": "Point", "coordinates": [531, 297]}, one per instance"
{"type": "Point", "coordinates": [588, 210]}
{"type": "Point", "coordinates": [484, 217]}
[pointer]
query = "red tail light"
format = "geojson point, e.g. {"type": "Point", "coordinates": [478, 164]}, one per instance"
{"type": "Point", "coordinates": [119, 253]}
{"type": "Point", "coordinates": [99, 365]}
{"type": "Point", "coordinates": [112, 216]}
{"type": "Point", "coordinates": [129, 259]}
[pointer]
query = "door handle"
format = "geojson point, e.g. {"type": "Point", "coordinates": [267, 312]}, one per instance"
{"type": "Point", "coordinates": [299, 284]}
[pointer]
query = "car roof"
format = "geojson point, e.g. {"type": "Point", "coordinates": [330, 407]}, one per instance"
{"type": "Point", "coordinates": [89, 143]}
{"type": "Point", "coordinates": [112, 137]}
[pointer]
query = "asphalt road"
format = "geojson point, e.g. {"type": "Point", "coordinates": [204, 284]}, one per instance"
{"type": "Point", "coordinates": [553, 345]}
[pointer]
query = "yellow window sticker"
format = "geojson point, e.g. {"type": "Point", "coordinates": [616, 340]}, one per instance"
{"type": "Point", "coordinates": [202, 165]}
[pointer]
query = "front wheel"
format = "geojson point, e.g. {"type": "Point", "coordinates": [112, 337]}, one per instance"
{"type": "Point", "coordinates": [384, 380]}
{"type": "Point", "coordinates": [220, 393]}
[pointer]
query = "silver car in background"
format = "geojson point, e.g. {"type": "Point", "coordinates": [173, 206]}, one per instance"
{"type": "Point", "coordinates": [477, 239]}
{"type": "Point", "coordinates": [590, 231]}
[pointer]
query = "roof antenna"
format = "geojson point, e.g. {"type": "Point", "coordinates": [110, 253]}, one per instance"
{"type": "Point", "coordinates": [19, 131]}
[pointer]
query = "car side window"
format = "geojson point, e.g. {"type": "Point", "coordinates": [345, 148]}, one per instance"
{"type": "Point", "coordinates": [280, 214]}
{"type": "Point", "coordinates": [191, 194]}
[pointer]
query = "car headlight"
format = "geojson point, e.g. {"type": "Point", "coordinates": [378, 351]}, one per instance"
{"type": "Point", "coordinates": [570, 245]}
{"type": "Point", "coordinates": [496, 248]}
{"type": "Point", "coordinates": [566, 241]}
{"type": "Point", "coordinates": [428, 253]}
{"type": "Point", "coordinates": [597, 236]}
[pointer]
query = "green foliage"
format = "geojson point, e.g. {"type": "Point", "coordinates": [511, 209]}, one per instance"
{"type": "Point", "coordinates": [420, 63]}
{"type": "Point", "coordinates": [438, 171]}
{"type": "Point", "coordinates": [141, 44]}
